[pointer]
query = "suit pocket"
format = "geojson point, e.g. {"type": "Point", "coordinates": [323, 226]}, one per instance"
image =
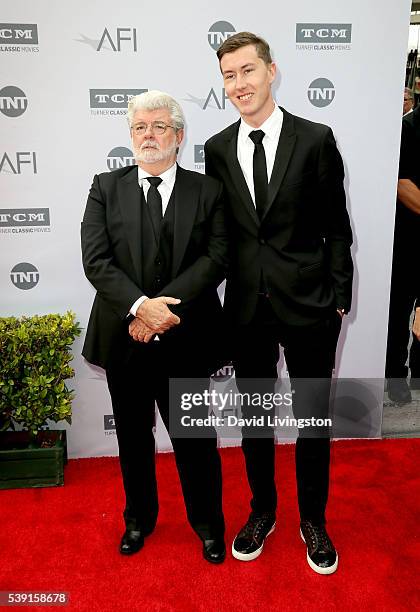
{"type": "Point", "coordinates": [312, 268]}
{"type": "Point", "coordinates": [298, 179]}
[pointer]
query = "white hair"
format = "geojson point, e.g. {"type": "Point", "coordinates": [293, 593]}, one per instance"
{"type": "Point", "coordinates": [155, 100]}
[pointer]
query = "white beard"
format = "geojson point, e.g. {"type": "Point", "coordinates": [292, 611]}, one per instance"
{"type": "Point", "coordinates": [150, 155]}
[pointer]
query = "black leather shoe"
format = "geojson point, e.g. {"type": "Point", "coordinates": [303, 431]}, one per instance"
{"type": "Point", "coordinates": [214, 551]}
{"type": "Point", "coordinates": [131, 542]}
{"type": "Point", "coordinates": [415, 384]}
{"type": "Point", "coordinates": [321, 554]}
{"type": "Point", "coordinates": [398, 391]}
{"type": "Point", "coordinates": [249, 542]}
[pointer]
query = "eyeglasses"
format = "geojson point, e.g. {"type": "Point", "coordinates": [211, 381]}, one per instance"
{"type": "Point", "coordinates": [157, 127]}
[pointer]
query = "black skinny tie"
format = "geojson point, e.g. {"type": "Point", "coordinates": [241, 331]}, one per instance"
{"type": "Point", "coordinates": [260, 172]}
{"type": "Point", "coordinates": [154, 202]}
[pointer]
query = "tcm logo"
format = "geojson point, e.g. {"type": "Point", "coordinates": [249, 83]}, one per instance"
{"type": "Point", "coordinates": [24, 217]}
{"type": "Point", "coordinates": [213, 100]}
{"type": "Point", "coordinates": [118, 40]}
{"type": "Point", "coordinates": [219, 32]}
{"type": "Point", "coordinates": [109, 425]}
{"type": "Point", "coordinates": [323, 32]}
{"type": "Point", "coordinates": [199, 155]}
{"type": "Point", "coordinates": [24, 276]}
{"type": "Point", "coordinates": [17, 163]}
{"type": "Point", "coordinates": [13, 101]}
{"type": "Point", "coordinates": [120, 157]}
{"type": "Point", "coordinates": [321, 92]}
{"type": "Point", "coordinates": [112, 98]}
{"type": "Point", "coordinates": [21, 33]}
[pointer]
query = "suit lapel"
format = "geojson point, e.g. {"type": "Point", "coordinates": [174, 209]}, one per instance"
{"type": "Point", "coordinates": [237, 174]}
{"type": "Point", "coordinates": [284, 152]}
{"type": "Point", "coordinates": [129, 197]}
{"type": "Point", "coordinates": [186, 195]}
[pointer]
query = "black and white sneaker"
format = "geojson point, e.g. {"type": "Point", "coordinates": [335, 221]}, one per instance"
{"type": "Point", "coordinates": [249, 542]}
{"type": "Point", "coordinates": [321, 554]}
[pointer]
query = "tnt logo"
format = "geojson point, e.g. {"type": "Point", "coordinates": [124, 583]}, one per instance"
{"type": "Point", "coordinates": [122, 36]}
{"type": "Point", "coordinates": [321, 92]}
{"type": "Point", "coordinates": [24, 276]}
{"type": "Point", "coordinates": [219, 32]}
{"type": "Point", "coordinates": [224, 373]}
{"type": "Point", "coordinates": [120, 157]}
{"type": "Point", "coordinates": [13, 101]}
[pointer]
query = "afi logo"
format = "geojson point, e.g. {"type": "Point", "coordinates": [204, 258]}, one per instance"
{"type": "Point", "coordinates": [122, 35]}
{"type": "Point", "coordinates": [15, 163]}
{"type": "Point", "coordinates": [211, 101]}
{"type": "Point", "coordinates": [220, 103]}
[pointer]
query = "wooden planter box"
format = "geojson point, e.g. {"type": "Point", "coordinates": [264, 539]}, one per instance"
{"type": "Point", "coordinates": [37, 463]}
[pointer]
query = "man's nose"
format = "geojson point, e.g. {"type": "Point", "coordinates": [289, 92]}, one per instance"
{"type": "Point", "coordinates": [149, 131]}
{"type": "Point", "coordinates": [240, 81]}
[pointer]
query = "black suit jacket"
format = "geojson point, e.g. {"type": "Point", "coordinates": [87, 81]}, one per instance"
{"type": "Point", "coordinates": [112, 261]}
{"type": "Point", "coordinates": [303, 242]}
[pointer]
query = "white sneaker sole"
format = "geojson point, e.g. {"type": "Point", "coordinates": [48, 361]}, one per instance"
{"type": "Point", "coordinates": [315, 567]}
{"type": "Point", "coordinates": [255, 554]}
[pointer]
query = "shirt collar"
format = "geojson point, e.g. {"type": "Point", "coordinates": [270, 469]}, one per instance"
{"type": "Point", "coordinates": [270, 127]}
{"type": "Point", "coordinates": [168, 177]}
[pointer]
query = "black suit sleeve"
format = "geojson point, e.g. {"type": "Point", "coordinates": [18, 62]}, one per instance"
{"type": "Point", "coordinates": [338, 234]}
{"type": "Point", "coordinates": [209, 169]}
{"type": "Point", "coordinates": [109, 280]}
{"type": "Point", "coordinates": [209, 269]}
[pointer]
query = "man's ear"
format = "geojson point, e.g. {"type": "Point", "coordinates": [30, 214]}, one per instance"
{"type": "Point", "coordinates": [179, 136]}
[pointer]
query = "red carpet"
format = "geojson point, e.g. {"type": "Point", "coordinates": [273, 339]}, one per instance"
{"type": "Point", "coordinates": [66, 539]}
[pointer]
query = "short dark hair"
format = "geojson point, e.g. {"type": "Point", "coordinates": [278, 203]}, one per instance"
{"type": "Point", "coordinates": [242, 39]}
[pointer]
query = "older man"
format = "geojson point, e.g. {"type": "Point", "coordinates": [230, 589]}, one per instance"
{"type": "Point", "coordinates": [408, 101]}
{"type": "Point", "coordinates": [154, 247]}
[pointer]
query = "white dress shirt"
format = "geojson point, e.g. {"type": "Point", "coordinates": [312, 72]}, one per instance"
{"type": "Point", "coordinates": [165, 189]}
{"type": "Point", "coordinates": [245, 150]}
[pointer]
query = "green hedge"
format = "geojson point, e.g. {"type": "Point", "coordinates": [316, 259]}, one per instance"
{"type": "Point", "coordinates": [34, 365]}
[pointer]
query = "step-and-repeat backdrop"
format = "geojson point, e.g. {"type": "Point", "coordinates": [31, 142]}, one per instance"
{"type": "Point", "coordinates": [67, 73]}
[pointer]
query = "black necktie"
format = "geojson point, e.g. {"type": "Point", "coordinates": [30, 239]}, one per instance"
{"type": "Point", "coordinates": [154, 202]}
{"type": "Point", "coordinates": [260, 172]}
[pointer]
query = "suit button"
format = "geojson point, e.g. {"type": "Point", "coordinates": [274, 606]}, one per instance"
{"type": "Point", "coordinates": [262, 241]}
{"type": "Point", "coordinates": [158, 261]}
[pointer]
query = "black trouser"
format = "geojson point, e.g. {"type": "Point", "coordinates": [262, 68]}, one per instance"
{"type": "Point", "coordinates": [309, 353]}
{"type": "Point", "coordinates": [135, 384]}
{"type": "Point", "coordinates": [404, 291]}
